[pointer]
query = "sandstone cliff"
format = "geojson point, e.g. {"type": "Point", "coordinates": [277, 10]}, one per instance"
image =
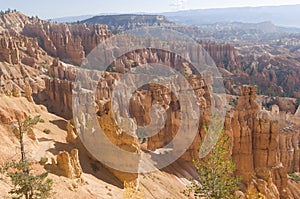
{"type": "Point", "coordinates": [71, 43]}
{"type": "Point", "coordinates": [57, 95]}
{"type": "Point", "coordinates": [289, 138]}
{"type": "Point", "coordinates": [139, 106]}
{"type": "Point", "coordinates": [120, 23]}
{"type": "Point", "coordinates": [15, 21]}
{"type": "Point", "coordinates": [263, 154]}
{"type": "Point", "coordinates": [260, 147]}
{"type": "Point", "coordinates": [225, 55]}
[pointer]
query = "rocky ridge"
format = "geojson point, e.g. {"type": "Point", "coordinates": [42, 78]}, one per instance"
{"type": "Point", "coordinates": [120, 23]}
{"type": "Point", "coordinates": [71, 43]}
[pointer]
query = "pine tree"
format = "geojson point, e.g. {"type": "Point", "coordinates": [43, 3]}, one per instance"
{"type": "Point", "coordinates": [25, 184]}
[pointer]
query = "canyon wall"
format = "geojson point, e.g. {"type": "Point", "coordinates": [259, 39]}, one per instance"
{"type": "Point", "coordinates": [22, 63]}
{"type": "Point", "coordinates": [57, 95]}
{"type": "Point", "coordinates": [289, 139]}
{"type": "Point", "coordinates": [9, 51]}
{"type": "Point", "coordinates": [225, 55]}
{"type": "Point", "coordinates": [264, 154]}
{"type": "Point", "coordinates": [70, 43]}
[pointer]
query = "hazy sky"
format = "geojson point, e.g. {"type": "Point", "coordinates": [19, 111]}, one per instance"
{"type": "Point", "coordinates": [59, 8]}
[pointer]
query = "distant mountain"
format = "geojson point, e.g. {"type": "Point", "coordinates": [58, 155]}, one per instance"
{"type": "Point", "coordinates": [123, 22]}
{"type": "Point", "coordinates": [221, 31]}
{"type": "Point", "coordinates": [70, 19]}
{"type": "Point", "coordinates": [288, 15]}
{"type": "Point", "coordinates": [263, 27]}
{"type": "Point", "coordinates": [237, 31]}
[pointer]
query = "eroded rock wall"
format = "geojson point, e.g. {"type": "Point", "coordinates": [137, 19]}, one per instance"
{"type": "Point", "coordinates": [259, 147]}
{"type": "Point", "coordinates": [289, 139]}
{"type": "Point", "coordinates": [71, 43]}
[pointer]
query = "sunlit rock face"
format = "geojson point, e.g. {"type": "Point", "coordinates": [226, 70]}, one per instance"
{"type": "Point", "coordinates": [257, 141]}
{"type": "Point", "coordinates": [289, 148]}
{"type": "Point", "coordinates": [128, 129]}
{"type": "Point", "coordinates": [9, 51]}
{"type": "Point", "coordinates": [71, 43]}
{"type": "Point", "coordinates": [240, 125]}
{"type": "Point", "coordinates": [67, 164]}
{"type": "Point", "coordinates": [264, 153]}
{"type": "Point", "coordinates": [225, 55]}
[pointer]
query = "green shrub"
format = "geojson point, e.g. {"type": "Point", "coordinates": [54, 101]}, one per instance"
{"type": "Point", "coordinates": [295, 177]}
{"type": "Point", "coordinates": [216, 178]}
{"type": "Point", "coordinates": [24, 183]}
{"type": "Point", "coordinates": [47, 131]}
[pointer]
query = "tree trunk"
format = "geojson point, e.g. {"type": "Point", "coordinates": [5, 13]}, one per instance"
{"type": "Point", "coordinates": [23, 156]}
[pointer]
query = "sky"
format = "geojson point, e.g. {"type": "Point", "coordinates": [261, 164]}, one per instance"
{"type": "Point", "coordinates": [47, 9]}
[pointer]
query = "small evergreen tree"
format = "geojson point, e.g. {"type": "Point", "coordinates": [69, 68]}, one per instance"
{"type": "Point", "coordinates": [8, 11]}
{"type": "Point", "coordinates": [25, 184]}
{"type": "Point", "coordinates": [26, 127]}
{"type": "Point", "coordinates": [216, 178]}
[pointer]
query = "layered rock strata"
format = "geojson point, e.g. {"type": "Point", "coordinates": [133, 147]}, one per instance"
{"type": "Point", "coordinates": [71, 43]}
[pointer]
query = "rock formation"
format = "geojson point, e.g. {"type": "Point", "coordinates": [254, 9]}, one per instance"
{"type": "Point", "coordinates": [22, 64]}
{"type": "Point", "coordinates": [90, 35]}
{"type": "Point", "coordinates": [120, 23]}
{"type": "Point", "coordinates": [28, 92]}
{"type": "Point", "coordinates": [289, 139]}
{"type": "Point", "coordinates": [297, 114]}
{"type": "Point", "coordinates": [225, 55]}
{"type": "Point", "coordinates": [57, 95]}
{"type": "Point", "coordinates": [15, 21]}
{"type": "Point", "coordinates": [71, 135]}
{"type": "Point", "coordinates": [9, 51]}
{"type": "Point", "coordinates": [263, 154]}
{"type": "Point", "coordinates": [240, 125]}
{"type": "Point", "coordinates": [256, 136]}
{"type": "Point", "coordinates": [67, 164]}
{"type": "Point", "coordinates": [262, 185]}
{"type": "Point", "coordinates": [71, 43]}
